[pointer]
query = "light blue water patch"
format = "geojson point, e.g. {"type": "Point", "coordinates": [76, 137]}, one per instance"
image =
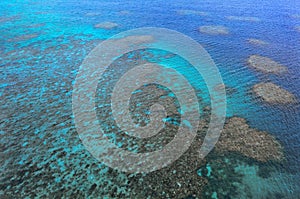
{"type": "Point", "coordinates": [199, 172]}
{"type": "Point", "coordinates": [171, 121]}
{"type": "Point", "coordinates": [171, 94]}
{"type": "Point", "coordinates": [25, 144]}
{"type": "Point", "coordinates": [137, 91]}
{"type": "Point", "coordinates": [187, 123]}
{"type": "Point", "coordinates": [208, 170]}
{"type": "Point", "coordinates": [214, 195]}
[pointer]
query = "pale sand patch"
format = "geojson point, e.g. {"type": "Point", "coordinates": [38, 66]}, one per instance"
{"type": "Point", "coordinates": [214, 30]}
{"type": "Point", "coordinates": [106, 25]}
{"type": "Point", "coordinates": [297, 28]}
{"type": "Point", "coordinates": [265, 64]}
{"type": "Point", "coordinates": [271, 93]}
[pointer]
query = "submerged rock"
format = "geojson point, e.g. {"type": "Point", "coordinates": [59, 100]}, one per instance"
{"type": "Point", "coordinates": [106, 25]}
{"type": "Point", "coordinates": [220, 87]}
{"type": "Point", "coordinates": [38, 25]}
{"type": "Point", "coordinates": [272, 93]}
{"type": "Point", "coordinates": [295, 16]}
{"type": "Point", "coordinates": [297, 28]}
{"type": "Point", "coordinates": [124, 12]}
{"type": "Point", "coordinates": [214, 30]}
{"type": "Point", "coordinates": [23, 37]}
{"type": "Point", "coordinates": [92, 14]}
{"type": "Point", "coordinates": [134, 40]}
{"type": "Point", "coordinates": [237, 136]}
{"type": "Point", "coordinates": [191, 12]}
{"type": "Point", "coordinates": [256, 41]}
{"type": "Point", "coordinates": [265, 64]}
{"type": "Point", "coordinates": [228, 89]}
{"type": "Point", "coordinates": [4, 19]}
{"type": "Point", "coordinates": [242, 18]}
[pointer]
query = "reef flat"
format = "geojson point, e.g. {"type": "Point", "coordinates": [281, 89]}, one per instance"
{"type": "Point", "coordinates": [214, 30]}
{"type": "Point", "coordinates": [265, 64]}
{"type": "Point", "coordinates": [272, 93]}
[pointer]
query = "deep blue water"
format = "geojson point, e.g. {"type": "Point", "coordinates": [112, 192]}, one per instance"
{"type": "Point", "coordinates": [37, 74]}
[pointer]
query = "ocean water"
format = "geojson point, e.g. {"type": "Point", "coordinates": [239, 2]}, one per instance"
{"type": "Point", "coordinates": [42, 47]}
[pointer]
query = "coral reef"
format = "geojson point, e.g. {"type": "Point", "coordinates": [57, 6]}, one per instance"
{"type": "Point", "coordinates": [237, 136]}
{"type": "Point", "coordinates": [178, 180]}
{"type": "Point", "coordinates": [272, 93]}
{"type": "Point", "coordinates": [214, 30]}
{"type": "Point", "coordinates": [265, 64]}
{"type": "Point", "coordinates": [43, 155]}
{"type": "Point", "coordinates": [189, 175]}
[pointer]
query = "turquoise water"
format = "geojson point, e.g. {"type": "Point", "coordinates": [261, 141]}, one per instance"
{"type": "Point", "coordinates": [43, 45]}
